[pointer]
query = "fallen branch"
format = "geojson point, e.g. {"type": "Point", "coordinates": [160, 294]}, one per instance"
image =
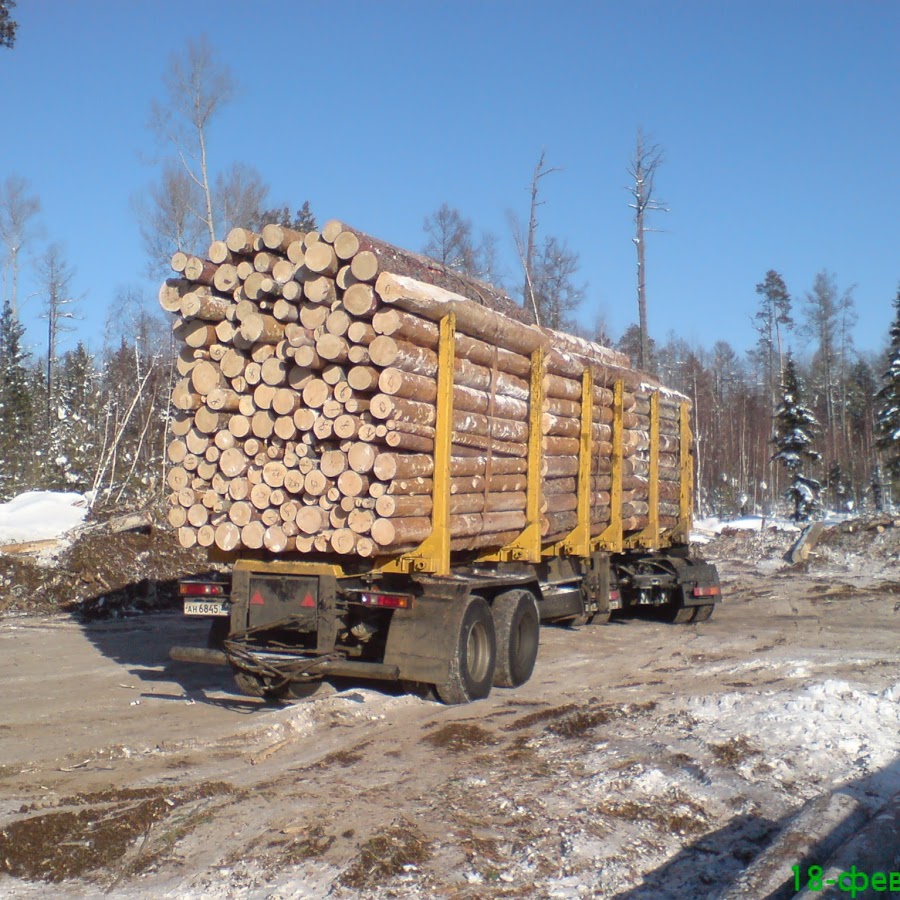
{"type": "Point", "coordinates": [115, 525]}
{"type": "Point", "coordinates": [263, 755]}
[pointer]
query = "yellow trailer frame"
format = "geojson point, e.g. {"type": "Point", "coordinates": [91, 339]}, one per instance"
{"type": "Point", "coordinates": [432, 556]}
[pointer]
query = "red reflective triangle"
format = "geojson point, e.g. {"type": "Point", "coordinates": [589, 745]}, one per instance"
{"type": "Point", "coordinates": [308, 601]}
{"type": "Point", "coordinates": [257, 599]}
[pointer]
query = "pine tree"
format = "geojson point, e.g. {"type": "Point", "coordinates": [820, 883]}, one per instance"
{"type": "Point", "coordinates": [8, 24]}
{"type": "Point", "coordinates": [302, 220]}
{"type": "Point", "coordinates": [887, 417]}
{"type": "Point", "coordinates": [72, 455]}
{"type": "Point", "coordinates": [795, 426]}
{"type": "Point", "coordinates": [861, 389]}
{"type": "Point", "coordinates": [17, 412]}
{"type": "Point", "coordinates": [772, 318]}
{"type": "Point", "coordinates": [839, 488]}
{"type": "Point", "coordinates": [556, 293]}
{"type": "Point", "coordinates": [630, 345]}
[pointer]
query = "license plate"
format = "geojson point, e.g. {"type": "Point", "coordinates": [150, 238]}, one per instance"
{"type": "Point", "coordinates": [206, 608]}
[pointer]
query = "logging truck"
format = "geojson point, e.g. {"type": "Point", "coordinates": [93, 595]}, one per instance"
{"type": "Point", "coordinates": [400, 479]}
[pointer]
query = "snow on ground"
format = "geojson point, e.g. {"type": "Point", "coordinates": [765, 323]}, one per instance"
{"type": "Point", "coordinates": [709, 527]}
{"type": "Point", "coordinates": [635, 764]}
{"type": "Point", "coordinates": [716, 761]}
{"type": "Point", "coordinates": [40, 516]}
{"type": "Point", "coordinates": [829, 727]}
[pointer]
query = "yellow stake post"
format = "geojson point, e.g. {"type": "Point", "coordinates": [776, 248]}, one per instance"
{"type": "Point", "coordinates": [682, 531]}
{"type": "Point", "coordinates": [527, 546]}
{"type": "Point", "coordinates": [649, 536]}
{"type": "Point", "coordinates": [611, 539]}
{"type": "Point", "coordinates": [433, 554]}
{"type": "Point", "coordinates": [578, 541]}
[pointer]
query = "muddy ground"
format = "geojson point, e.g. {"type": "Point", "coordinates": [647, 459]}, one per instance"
{"type": "Point", "coordinates": [642, 760]}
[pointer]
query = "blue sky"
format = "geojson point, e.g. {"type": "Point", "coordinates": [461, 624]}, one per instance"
{"type": "Point", "coordinates": [780, 123]}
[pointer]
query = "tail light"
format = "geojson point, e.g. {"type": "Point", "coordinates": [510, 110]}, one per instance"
{"type": "Point", "coordinates": [386, 601]}
{"type": "Point", "coordinates": [202, 589]}
{"type": "Point", "coordinates": [708, 590]}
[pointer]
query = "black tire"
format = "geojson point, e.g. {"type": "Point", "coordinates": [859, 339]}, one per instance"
{"type": "Point", "coordinates": [597, 618]}
{"type": "Point", "coordinates": [420, 689]}
{"type": "Point", "coordinates": [251, 685]}
{"type": "Point", "coordinates": [603, 618]}
{"type": "Point", "coordinates": [302, 690]}
{"type": "Point", "coordinates": [575, 621]}
{"type": "Point", "coordinates": [473, 657]}
{"type": "Point", "coordinates": [703, 612]}
{"type": "Point", "coordinates": [219, 630]}
{"type": "Point", "coordinates": [678, 615]}
{"type": "Point", "coordinates": [255, 686]}
{"type": "Point", "coordinates": [517, 625]}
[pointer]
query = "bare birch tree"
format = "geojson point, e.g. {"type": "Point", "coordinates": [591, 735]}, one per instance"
{"type": "Point", "coordinates": [487, 254]}
{"type": "Point", "coordinates": [556, 293]}
{"type": "Point", "coordinates": [647, 159]}
{"type": "Point", "coordinates": [196, 89]}
{"type": "Point", "coordinates": [167, 218]}
{"type": "Point", "coordinates": [450, 239]}
{"type": "Point", "coordinates": [18, 211]}
{"type": "Point", "coordinates": [194, 202]}
{"type": "Point", "coordinates": [541, 170]}
{"type": "Point", "coordinates": [240, 194]}
{"type": "Point", "coordinates": [56, 275]}
{"type": "Point", "coordinates": [828, 316]}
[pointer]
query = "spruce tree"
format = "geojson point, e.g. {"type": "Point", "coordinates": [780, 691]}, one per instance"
{"type": "Point", "coordinates": [73, 434]}
{"type": "Point", "coordinates": [877, 485]}
{"type": "Point", "coordinates": [8, 24]}
{"type": "Point", "coordinates": [17, 412]}
{"type": "Point", "coordinates": [840, 490]}
{"type": "Point", "coordinates": [795, 426]}
{"type": "Point", "coordinates": [887, 415]}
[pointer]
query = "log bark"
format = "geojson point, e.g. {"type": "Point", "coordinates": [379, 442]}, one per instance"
{"type": "Point", "coordinates": [279, 237]}
{"type": "Point", "coordinates": [201, 304]}
{"type": "Point", "coordinates": [506, 330]}
{"type": "Point", "coordinates": [243, 241]}
{"type": "Point", "coordinates": [198, 270]}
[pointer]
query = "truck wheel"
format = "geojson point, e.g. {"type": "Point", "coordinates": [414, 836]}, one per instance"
{"type": "Point", "coordinates": [703, 612]}
{"type": "Point", "coordinates": [255, 686]}
{"type": "Point", "coordinates": [517, 625]}
{"type": "Point", "coordinates": [676, 614]}
{"type": "Point", "coordinates": [303, 690]}
{"type": "Point", "coordinates": [251, 685]}
{"type": "Point", "coordinates": [473, 657]}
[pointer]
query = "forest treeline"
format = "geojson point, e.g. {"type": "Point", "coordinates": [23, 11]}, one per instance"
{"type": "Point", "coordinates": [801, 411]}
{"type": "Point", "coordinates": [96, 419]}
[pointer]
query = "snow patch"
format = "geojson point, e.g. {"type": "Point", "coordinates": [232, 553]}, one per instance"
{"type": "Point", "coordinates": [827, 726]}
{"type": "Point", "coordinates": [40, 516]}
{"type": "Point", "coordinates": [705, 529]}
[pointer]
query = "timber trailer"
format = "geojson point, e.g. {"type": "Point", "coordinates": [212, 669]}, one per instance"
{"type": "Point", "coordinates": [460, 623]}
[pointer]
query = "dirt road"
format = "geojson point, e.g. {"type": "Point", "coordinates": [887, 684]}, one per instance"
{"type": "Point", "coordinates": [642, 760]}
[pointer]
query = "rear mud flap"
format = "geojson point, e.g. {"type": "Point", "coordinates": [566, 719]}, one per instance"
{"type": "Point", "coordinates": [422, 640]}
{"type": "Point", "coordinates": [705, 578]}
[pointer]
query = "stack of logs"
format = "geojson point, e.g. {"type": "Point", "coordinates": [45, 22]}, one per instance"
{"type": "Point", "coordinates": [305, 414]}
